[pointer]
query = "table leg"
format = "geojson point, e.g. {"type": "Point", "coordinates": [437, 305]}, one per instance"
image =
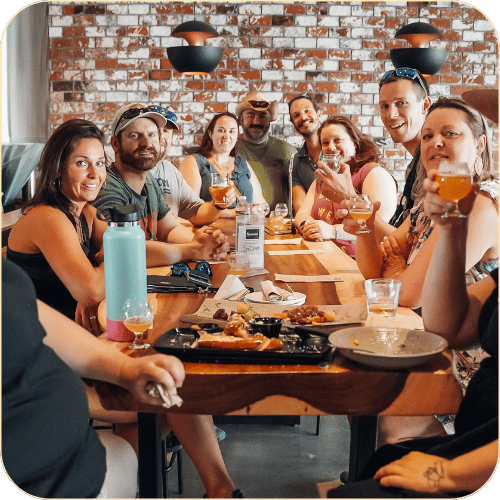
{"type": "Point", "coordinates": [150, 473]}
{"type": "Point", "coordinates": [363, 443]}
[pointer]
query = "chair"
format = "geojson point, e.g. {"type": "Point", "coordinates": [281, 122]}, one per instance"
{"type": "Point", "coordinates": [171, 445]}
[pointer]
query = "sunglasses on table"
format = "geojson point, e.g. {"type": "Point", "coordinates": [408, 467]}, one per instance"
{"type": "Point", "coordinates": [409, 73]}
{"type": "Point", "coordinates": [133, 112]}
{"type": "Point", "coordinates": [183, 269]}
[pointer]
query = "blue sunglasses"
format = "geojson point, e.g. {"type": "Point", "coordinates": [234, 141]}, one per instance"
{"type": "Point", "coordinates": [410, 73]}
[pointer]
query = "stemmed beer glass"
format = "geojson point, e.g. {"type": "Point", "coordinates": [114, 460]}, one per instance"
{"type": "Point", "coordinates": [360, 209]}
{"type": "Point", "coordinates": [332, 161]}
{"type": "Point", "coordinates": [455, 183]}
{"type": "Point", "coordinates": [137, 316]}
{"type": "Point", "coordinates": [281, 209]}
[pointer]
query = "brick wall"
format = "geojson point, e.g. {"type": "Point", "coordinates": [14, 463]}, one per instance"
{"type": "Point", "coordinates": [103, 55]}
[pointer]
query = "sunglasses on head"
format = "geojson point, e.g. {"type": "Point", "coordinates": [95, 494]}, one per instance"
{"type": "Point", "coordinates": [304, 95]}
{"type": "Point", "coordinates": [134, 112]}
{"type": "Point", "coordinates": [409, 73]}
{"type": "Point", "coordinates": [259, 104]}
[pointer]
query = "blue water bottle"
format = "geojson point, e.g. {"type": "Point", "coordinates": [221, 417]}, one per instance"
{"type": "Point", "coordinates": [124, 265]}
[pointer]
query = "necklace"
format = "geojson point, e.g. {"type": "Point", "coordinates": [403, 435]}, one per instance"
{"type": "Point", "coordinates": [221, 169]}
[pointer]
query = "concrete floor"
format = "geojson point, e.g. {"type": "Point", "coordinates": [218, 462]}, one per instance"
{"type": "Point", "coordinates": [276, 461]}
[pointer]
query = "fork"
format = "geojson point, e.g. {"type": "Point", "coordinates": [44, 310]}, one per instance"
{"type": "Point", "coordinates": [290, 288]}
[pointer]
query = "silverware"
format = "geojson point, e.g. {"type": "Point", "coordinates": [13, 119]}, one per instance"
{"type": "Point", "coordinates": [290, 288]}
{"type": "Point", "coordinates": [327, 362]}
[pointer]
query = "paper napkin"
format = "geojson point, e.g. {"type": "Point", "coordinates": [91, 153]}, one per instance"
{"type": "Point", "coordinates": [294, 252]}
{"type": "Point", "coordinates": [296, 278]}
{"type": "Point", "coordinates": [289, 241]}
{"type": "Point", "coordinates": [273, 293]}
{"type": "Point", "coordinates": [231, 285]}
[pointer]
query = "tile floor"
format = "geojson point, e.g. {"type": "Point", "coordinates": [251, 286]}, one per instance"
{"type": "Point", "coordinates": [276, 461]}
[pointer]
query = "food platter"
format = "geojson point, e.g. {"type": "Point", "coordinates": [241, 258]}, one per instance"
{"type": "Point", "coordinates": [260, 298]}
{"type": "Point", "coordinates": [297, 349]}
{"type": "Point", "coordinates": [392, 348]}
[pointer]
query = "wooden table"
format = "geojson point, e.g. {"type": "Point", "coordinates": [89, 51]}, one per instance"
{"type": "Point", "coordinates": [344, 389]}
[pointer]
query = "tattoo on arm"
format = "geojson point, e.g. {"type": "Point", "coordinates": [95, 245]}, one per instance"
{"type": "Point", "coordinates": [434, 475]}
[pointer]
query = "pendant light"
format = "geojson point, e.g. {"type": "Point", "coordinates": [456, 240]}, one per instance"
{"type": "Point", "coordinates": [427, 60]}
{"type": "Point", "coordinates": [195, 58]}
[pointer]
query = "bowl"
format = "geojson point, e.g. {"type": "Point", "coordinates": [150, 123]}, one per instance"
{"type": "Point", "coordinates": [270, 327]}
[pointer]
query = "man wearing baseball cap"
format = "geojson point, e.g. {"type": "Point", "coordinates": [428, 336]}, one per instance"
{"type": "Point", "coordinates": [178, 194]}
{"type": "Point", "coordinates": [136, 144]}
{"type": "Point", "coordinates": [268, 156]}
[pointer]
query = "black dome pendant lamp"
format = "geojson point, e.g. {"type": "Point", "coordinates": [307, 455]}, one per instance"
{"type": "Point", "coordinates": [195, 58]}
{"type": "Point", "coordinates": [427, 60]}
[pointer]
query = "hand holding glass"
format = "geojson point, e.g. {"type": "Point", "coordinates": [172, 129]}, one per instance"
{"type": "Point", "coordinates": [455, 183]}
{"type": "Point", "coordinates": [219, 188]}
{"type": "Point", "coordinates": [332, 161]}
{"type": "Point", "coordinates": [138, 317]}
{"type": "Point", "coordinates": [238, 263]}
{"type": "Point", "coordinates": [360, 209]}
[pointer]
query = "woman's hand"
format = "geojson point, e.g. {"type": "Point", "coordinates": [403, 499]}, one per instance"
{"type": "Point", "coordinates": [435, 206]}
{"type": "Point", "coordinates": [86, 316]}
{"type": "Point", "coordinates": [139, 375]}
{"type": "Point", "coordinates": [335, 187]}
{"type": "Point", "coordinates": [416, 471]}
{"type": "Point", "coordinates": [350, 225]}
{"type": "Point", "coordinates": [394, 260]}
{"type": "Point", "coordinates": [312, 230]}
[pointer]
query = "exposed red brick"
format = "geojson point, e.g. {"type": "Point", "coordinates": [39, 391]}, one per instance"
{"type": "Point", "coordinates": [316, 54]}
{"type": "Point", "coordinates": [72, 31]}
{"type": "Point", "coordinates": [194, 85]}
{"type": "Point", "coordinates": [251, 74]}
{"type": "Point", "coordinates": [82, 42]}
{"type": "Point", "coordinates": [472, 14]}
{"type": "Point", "coordinates": [362, 77]}
{"type": "Point", "coordinates": [350, 65]}
{"type": "Point", "coordinates": [295, 9]}
{"type": "Point", "coordinates": [62, 42]}
{"type": "Point", "coordinates": [260, 20]}
{"type": "Point", "coordinates": [157, 53]}
{"type": "Point", "coordinates": [166, 64]}
{"type": "Point", "coordinates": [339, 54]}
{"type": "Point", "coordinates": [138, 75]}
{"type": "Point", "coordinates": [56, 75]}
{"type": "Point", "coordinates": [62, 64]}
{"type": "Point", "coordinates": [272, 54]}
{"type": "Point", "coordinates": [73, 53]}
{"type": "Point", "coordinates": [484, 47]}
{"type": "Point", "coordinates": [451, 79]}
{"type": "Point", "coordinates": [84, 20]}
{"type": "Point", "coordinates": [182, 9]}
{"type": "Point", "coordinates": [373, 44]}
{"type": "Point", "coordinates": [138, 30]}
{"type": "Point", "coordinates": [327, 87]}
{"type": "Point", "coordinates": [160, 75]}
{"type": "Point", "coordinates": [215, 107]}
{"type": "Point", "coordinates": [106, 64]}
{"type": "Point", "coordinates": [55, 119]}
{"type": "Point", "coordinates": [450, 13]}
{"type": "Point", "coordinates": [215, 85]}
{"type": "Point", "coordinates": [55, 54]}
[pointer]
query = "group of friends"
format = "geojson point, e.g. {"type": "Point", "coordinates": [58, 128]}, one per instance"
{"type": "Point", "coordinates": [58, 244]}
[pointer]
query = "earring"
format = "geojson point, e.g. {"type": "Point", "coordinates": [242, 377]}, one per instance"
{"type": "Point", "coordinates": [478, 165]}
{"type": "Point", "coordinates": [57, 184]}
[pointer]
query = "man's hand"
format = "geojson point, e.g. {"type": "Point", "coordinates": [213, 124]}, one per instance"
{"type": "Point", "coordinates": [311, 231]}
{"type": "Point", "coordinates": [416, 471]}
{"type": "Point", "coordinates": [335, 187]}
{"type": "Point", "coordinates": [139, 375]}
{"type": "Point", "coordinates": [210, 244]}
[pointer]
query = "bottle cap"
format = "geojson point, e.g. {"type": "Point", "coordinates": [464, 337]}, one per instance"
{"type": "Point", "coordinates": [120, 213]}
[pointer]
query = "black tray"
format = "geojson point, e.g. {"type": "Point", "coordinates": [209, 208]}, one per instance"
{"type": "Point", "coordinates": [296, 350]}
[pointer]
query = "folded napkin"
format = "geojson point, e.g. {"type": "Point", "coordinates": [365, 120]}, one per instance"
{"type": "Point", "coordinates": [231, 287]}
{"type": "Point", "coordinates": [287, 241]}
{"type": "Point", "coordinates": [169, 400]}
{"type": "Point", "coordinates": [273, 293]}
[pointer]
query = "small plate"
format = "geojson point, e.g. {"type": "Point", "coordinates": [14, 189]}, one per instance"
{"type": "Point", "coordinates": [392, 348]}
{"type": "Point", "coordinates": [260, 298]}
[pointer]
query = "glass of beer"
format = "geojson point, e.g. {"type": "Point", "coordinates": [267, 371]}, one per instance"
{"type": "Point", "coordinates": [238, 263]}
{"type": "Point", "coordinates": [455, 183]}
{"type": "Point", "coordinates": [137, 316]}
{"type": "Point", "coordinates": [332, 161]}
{"type": "Point", "coordinates": [219, 188]}
{"type": "Point", "coordinates": [360, 209]}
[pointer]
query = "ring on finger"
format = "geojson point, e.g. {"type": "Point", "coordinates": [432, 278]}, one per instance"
{"type": "Point", "coordinates": [93, 317]}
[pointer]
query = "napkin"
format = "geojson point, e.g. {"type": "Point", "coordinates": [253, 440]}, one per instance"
{"type": "Point", "coordinates": [297, 278]}
{"type": "Point", "coordinates": [231, 285]}
{"type": "Point", "coordinates": [169, 400]}
{"type": "Point", "coordinates": [294, 252]}
{"type": "Point", "coordinates": [288, 241]}
{"type": "Point", "coordinates": [273, 293]}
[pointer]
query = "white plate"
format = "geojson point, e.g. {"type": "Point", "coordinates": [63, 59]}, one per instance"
{"type": "Point", "coordinates": [259, 297]}
{"type": "Point", "coordinates": [393, 348]}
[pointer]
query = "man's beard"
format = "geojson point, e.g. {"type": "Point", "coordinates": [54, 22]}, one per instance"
{"type": "Point", "coordinates": [136, 162]}
{"type": "Point", "coordinates": [256, 134]}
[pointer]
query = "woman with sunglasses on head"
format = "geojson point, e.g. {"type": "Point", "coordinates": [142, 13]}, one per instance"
{"type": "Point", "coordinates": [217, 154]}
{"type": "Point", "coordinates": [360, 173]}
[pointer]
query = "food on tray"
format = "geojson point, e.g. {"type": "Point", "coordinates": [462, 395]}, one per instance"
{"type": "Point", "coordinates": [220, 314]}
{"type": "Point", "coordinates": [306, 314]}
{"type": "Point", "coordinates": [237, 336]}
{"type": "Point", "coordinates": [242, 308]}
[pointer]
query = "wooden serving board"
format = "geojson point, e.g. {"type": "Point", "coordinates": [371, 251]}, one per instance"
{"type": "Point", "coordinates": [345, 314]}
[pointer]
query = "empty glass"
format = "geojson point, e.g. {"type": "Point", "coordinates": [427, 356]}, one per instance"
{"type": "Point", "coordinates": [281, 208]}
{"type": "Point", "coordinates": [332, 161]}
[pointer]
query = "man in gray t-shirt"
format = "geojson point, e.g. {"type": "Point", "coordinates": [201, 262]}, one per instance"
{"type": "Point", "coordinates": [178, 194]}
